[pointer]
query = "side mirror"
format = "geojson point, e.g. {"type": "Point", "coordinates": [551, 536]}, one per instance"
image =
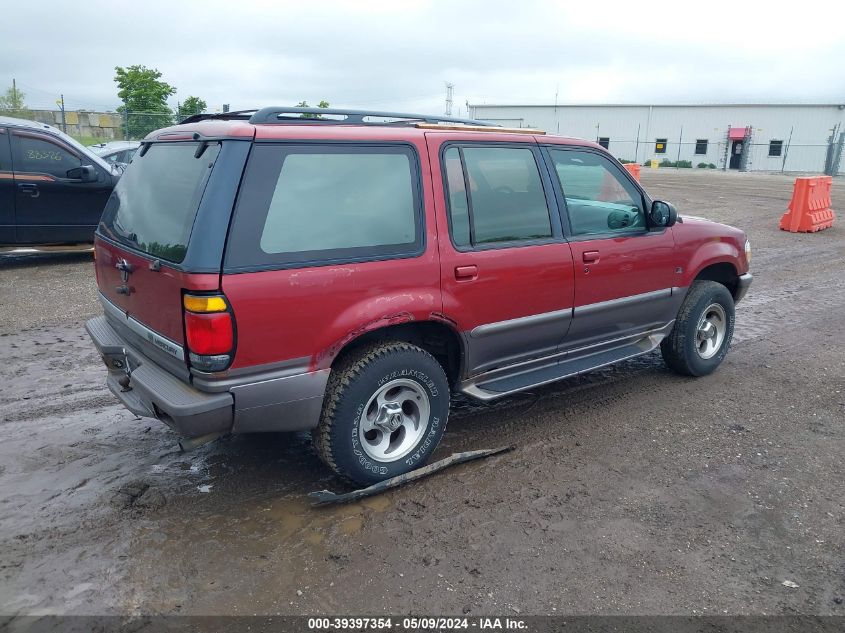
{"type": "Point", "coordinates": [85, 173]}
{"type": "Point", "coordinates": [662, 215]}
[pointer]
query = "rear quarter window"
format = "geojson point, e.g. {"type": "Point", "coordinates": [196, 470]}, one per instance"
{"type": "Point", "coordinates": [320, 204]}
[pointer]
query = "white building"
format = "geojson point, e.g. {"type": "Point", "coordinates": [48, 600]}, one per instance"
{"type": "Point", "coordinates": [759, 137]}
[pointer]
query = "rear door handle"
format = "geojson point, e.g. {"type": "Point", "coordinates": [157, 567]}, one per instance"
{"type": "Point", "coordinates": [590, 257]}
{"type": "Point", "coordinates": [30, 188]}
{"type": "Point", "coordinates": [466, 273]}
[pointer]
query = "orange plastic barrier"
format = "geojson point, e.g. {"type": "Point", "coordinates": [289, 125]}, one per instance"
{"type": "Point", "coordinates": [633, 169]}
{"type": "Point", "coordinates": [809, 210]}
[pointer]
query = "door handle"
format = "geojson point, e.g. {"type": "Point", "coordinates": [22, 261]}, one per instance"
{"type": "Point", "coordinates": [590, 257]}
{"type": "Point", "coordinates": [30, 188]}
{"type": "Point", "coordinates": [466, 273]}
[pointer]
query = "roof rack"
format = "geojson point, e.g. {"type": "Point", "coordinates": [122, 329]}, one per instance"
{"type": "Point", "coordinates": [222, 116]}
{"type": "Point", "coordinates": [338, 116]}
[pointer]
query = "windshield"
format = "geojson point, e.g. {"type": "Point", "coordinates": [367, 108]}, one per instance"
{"type": "Point", "coordinates": [153, 206]}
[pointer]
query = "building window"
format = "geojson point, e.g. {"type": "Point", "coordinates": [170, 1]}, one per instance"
{"type": "Point", "coordinates": [701, 146]}
{"type": "Point", "coordinates": [604, 141]}
{"type": "Point", "coordinates": [660, 146]}
{"type": "Point", "coordinates": [775, 148]}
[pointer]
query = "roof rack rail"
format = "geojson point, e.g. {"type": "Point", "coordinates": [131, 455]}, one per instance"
{"type": "Point", "coordinates": [342, 116]}
{"type": "Point", "coordinates": [223, 116]}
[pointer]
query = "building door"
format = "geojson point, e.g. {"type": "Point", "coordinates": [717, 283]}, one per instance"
{"type": "Point", "coordinates": [736, 154]}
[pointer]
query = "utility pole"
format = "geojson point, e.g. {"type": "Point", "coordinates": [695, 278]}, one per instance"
{"type": "Point", "coordinates": [14, 92]}
{"type": "Point", "coordinates": [61, 103]}
{"type": "Point", "coordinates": [449, 89]}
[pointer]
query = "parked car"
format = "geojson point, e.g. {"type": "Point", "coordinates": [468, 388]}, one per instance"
{"type": "Point", "coordinates": [117, 153]}
{"type": "Point", "coordinates": [52, 188]}
{"type": "Point", "coordinates": [265, 272]}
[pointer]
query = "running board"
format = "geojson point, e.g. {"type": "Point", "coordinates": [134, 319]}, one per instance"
{"type": "Point", "coordinates": [505, 381]}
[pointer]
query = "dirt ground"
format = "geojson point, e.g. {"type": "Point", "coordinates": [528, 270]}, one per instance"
{"type": "Point", "coordinates": [630, 491]}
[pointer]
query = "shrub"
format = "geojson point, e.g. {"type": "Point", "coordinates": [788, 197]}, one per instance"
{"type": "Point", "coordinates": [684, 164]}
{"type": "Point", "coordinates": [625, 161]}
{"type": "Point", "coordinates": [667, 163]}
{"type": "Point", "coordinates": [702, 165]}
{"type": "Point", "coordinates": [711, 166]}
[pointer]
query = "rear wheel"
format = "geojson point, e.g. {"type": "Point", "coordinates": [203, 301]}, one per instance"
{"type": "Point", "coordinates": [702, 334]}
{"type": "Point", "coordinates": [385, 411]}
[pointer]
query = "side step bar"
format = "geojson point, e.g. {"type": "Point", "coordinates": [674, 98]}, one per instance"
{"type": "Point", "coordinates": [502, 382]}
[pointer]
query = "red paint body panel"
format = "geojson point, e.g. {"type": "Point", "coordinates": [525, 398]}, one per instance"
{"type": "Point", "coordinates": [623, 266]}
{"type": "Point", "coordinates": [701, 243]}
{"type": "Point", "coordinates": [510, 282]}
{"type": "Point", "coordinates": [313, 312]}
{"type": "Point", "coordinates": [156, 297]}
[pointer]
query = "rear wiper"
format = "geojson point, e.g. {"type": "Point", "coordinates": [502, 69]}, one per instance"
{"type": "Point", "coordinates": [127, 235]}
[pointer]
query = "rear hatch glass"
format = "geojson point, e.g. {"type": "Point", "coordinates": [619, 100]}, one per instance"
{"type": "Point", "coordinates": [148, 222]}
{"type": "Point", "coordinates": [153, 206]}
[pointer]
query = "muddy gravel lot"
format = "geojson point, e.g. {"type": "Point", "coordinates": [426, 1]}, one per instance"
{"type": "Point", "coordinates": [630, 490]}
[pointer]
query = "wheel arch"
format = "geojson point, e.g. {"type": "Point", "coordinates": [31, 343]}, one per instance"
{"type": "Point", "coordinates": [435, 336]}
{"type": "Point", "coordinates": [723, 272]}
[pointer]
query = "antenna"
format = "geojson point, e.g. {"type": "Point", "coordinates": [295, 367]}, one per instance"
{"type": "Point", "coordinates": [449, 88]}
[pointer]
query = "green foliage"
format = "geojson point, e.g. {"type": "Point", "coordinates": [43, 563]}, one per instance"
{"type": "Point", "coordinates": [702, 165]}
{"type": "Point", "coordinates": [684, 164]}
{"type": "Point", "coordinates": [191, 106]}
{"type": "Point", "coordinates": [304, 104]}
{"type": "Point", "coordinates": [667, 163]}
{"type": "Point", "coordinates": [13, 104]}
{"type": "Point", "coordinates": [144, 98]}
{"type": "Point", "coordinates": [711, 166]}
{"type": "Point", "coordinates": [626, 162]}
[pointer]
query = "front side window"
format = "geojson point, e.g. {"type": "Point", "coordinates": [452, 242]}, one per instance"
{"type": "Point", "coordinates": [324, 203]}
{"type": "Point", "coordinates": [599, 199]}
{"type": "Point", "coordinates": [660, 146]}
{"type": "Point", "coordinates": [495, 195]}
{"type": "Point", "coordinates": [35, 154]}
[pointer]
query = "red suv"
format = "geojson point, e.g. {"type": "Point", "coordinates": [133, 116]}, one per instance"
{"type": "Point", "coordinates": [344, 271]}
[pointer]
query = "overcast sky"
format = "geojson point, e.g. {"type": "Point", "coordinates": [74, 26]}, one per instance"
{"type": "Point", "coordinates": [398, 55]}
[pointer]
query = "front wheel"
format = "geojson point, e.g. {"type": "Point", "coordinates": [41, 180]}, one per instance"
{"type": "Point", "coordinates": [701, 336]}
{"type": "Point", "coordinates": [385, 410]}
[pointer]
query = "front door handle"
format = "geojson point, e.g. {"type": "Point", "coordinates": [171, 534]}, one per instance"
{"type": "Point", "coordinates": [466, 273]}
{"type": "Point", "coordinates": [30, 188]}
{"type": "Point", "coordinates": [590, 257]}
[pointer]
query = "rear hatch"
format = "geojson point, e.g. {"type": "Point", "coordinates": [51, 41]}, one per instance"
{"type": "Point", "coordinates": [142, 247]}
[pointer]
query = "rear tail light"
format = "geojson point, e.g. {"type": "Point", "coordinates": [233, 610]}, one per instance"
{"type": "Point", "coordinates": [209, 331]}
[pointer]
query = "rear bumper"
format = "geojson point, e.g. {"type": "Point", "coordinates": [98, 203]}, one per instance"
{"type": "Point", "coordinates": [255, 403]}
{"type": "Point", "coordinates": [742, 286]}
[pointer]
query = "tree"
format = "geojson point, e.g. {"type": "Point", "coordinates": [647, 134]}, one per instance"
{"type": "Point", "coordinates": [191, 106]}
{"type": "Point", "coordinates": [304, 104]}
{"type": "Point", "coordinates": [13, 103]}
{"type": "Point", "coordinates": [144, 98]}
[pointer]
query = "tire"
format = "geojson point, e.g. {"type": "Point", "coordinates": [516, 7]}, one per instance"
{"type": "Point", "coordinates": [384, 412]}
{"type": "Point", "coordinates": [693, 348]}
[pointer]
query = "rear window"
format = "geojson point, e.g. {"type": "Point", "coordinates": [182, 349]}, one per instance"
{"type": "Point", "coordinates": [154, 204]}
{"type": "Point", "coordinates": [326, 204]}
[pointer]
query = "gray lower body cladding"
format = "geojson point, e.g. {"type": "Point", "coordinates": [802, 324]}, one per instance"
{"type": "Point", "coordinates": [264, 401]}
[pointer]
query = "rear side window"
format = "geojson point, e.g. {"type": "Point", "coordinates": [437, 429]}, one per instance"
{"type": "Point", "coordinates": [154, 204]}
{"type": "Point", "coordinates": [325, 204]}
{"type": "Point", "coordinates": [495, 195]}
